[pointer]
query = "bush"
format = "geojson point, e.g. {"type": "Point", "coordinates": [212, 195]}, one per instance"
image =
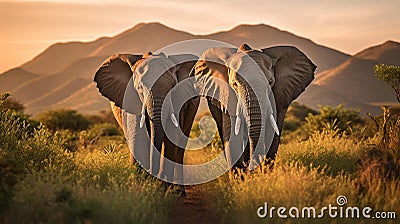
{"type": "Point", "coordinates": [96, 131]}
{"type": "Point", "coordinates": [8, 103]}
{"type": "Point", "coordinates": [9, 176]}
{"type": "Point", "coordinates": [24, 150]}
{"type": "Point", "coordinates": [105, 116]}
{"type": "Point", "coordinates": [299, 111]}
{"type": "Point", "coordinates": [294, 120]}
{"type": "Point", "coordinates": [338, 119]}
{"type": "Point", "coordinates": [41, 182]}
{"type": "Point", "coordinates": [105, 129]}
{"type": "Point", "coordinates": [36, 152]}
{"type": "Point", "coordinates": [63, 119]}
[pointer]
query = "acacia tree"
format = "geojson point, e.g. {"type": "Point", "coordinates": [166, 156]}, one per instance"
{"type": "Point", "coordinates": [389, 74]}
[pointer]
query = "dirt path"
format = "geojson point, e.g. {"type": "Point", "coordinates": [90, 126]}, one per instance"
{"type": "Point", "coordinates": [194, 208]}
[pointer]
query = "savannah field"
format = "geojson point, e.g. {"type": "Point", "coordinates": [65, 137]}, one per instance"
{"type": "Point", "coordinates": [64, 167]}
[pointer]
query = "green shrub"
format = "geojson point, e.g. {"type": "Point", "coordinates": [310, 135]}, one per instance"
{"type": "Point", "coordinates": [69, 140]}
{"type": "Point", "coordinates": [291, 124]}
{"type": "Point", "coordinates": [338, 119]}
{"type": "Point", "coordinates": [63, 119]}
{"type": "Point", "coordinates": [105, 129]}
{"type": "Point", "coordinates": [9, 175]}
{"type": "Point", "coordinates": [105, 116]}
{"type": "Point", "coordinates": [299, 111]}
{"type": "Point", "coordinates": [96, 131]}
{"type": "Point", "coordinates": [8, 103]}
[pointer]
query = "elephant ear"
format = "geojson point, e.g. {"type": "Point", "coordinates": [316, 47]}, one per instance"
{"type": "Point", "coordinates": [184, 64]}
{"type": "Point", "coordinates": [293, 70]}
{"type": "Point", "coordinates": [211, 74]}
{"type": "Point", "coordinates": [113, 76]}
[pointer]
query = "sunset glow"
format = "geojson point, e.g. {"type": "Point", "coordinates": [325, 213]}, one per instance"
{"type": "Point", "coordinates": [28, 27]}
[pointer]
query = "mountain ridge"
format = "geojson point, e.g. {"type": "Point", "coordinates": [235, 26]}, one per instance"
{"type": "Point", "coordinates": [62, 62]}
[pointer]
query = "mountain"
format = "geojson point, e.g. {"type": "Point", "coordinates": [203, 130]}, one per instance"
{"type": "Point", "coordinates": [15, 77]}
{"type": "Point", "coordinates": [143, 38]}
{"type": "Point", "coordinates": [262, 36]}
{"type": "Point", "coordinates": [354, 82]}
{"type": "Point", "coordinates": [61, 76]}
{"type": "Point", "coordinates": [58, 56]}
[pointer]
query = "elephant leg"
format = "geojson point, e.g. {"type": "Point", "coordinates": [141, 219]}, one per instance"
{"type": "Point", "coordinates": [187, 116]}
{"type": "Point", "coordinates": [117, 112]}
{"type": "Point", "coordinates": [244, 159]}
{"type": "Point", "coordinates": [137, 139]}
{"type": "Point", "coordinates": [217, 115]}
{"type": "Point", "coordinates": [224, 128]}
{"type": "Point", "coordinates": [275, 143]}
{"type": "Point", "coordinates": [233, 144]}
{"type": "Point", "coordinates": [168, 160]}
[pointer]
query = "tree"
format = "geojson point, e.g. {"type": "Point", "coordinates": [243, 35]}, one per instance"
{"type": "Point", "coordinates": [389, 74]}
{"type": "Point", "coordinates": [8, 103]}
{"type": "Point", "coordinates": [64, 119]}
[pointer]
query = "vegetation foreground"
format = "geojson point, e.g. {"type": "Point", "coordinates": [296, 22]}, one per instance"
{"type": "Point", "coordinates": [78, 171]}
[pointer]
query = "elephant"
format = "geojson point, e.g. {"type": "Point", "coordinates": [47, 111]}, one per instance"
{"type": "Point", "coordinates": [137, 86]}
{"type": "Point", "coordinates": [252, 75]}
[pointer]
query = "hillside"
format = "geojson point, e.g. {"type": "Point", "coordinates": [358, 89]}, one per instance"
{"type": "Point", "coordinates": [354, 79]}
{"type": "Point", "coordinates": [66, 69]}
{"type": "Point", "coordinates": [58, 56]}
{"type": "Point", "coordinates": [14, 78]}
{"type": "Point", "coordinates": [262, 36]}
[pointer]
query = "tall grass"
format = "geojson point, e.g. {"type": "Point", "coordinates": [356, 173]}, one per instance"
{"type": "Point", "coordinates": [306, 173]}
{"type": "Point", "coordinates": [43, 182]}
{"type": "Point", "coordinates": [325, 150]}
{"type": "Point", "coordinates": [85, 177]}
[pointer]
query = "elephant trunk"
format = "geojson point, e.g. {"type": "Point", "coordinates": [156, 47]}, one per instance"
{"type": "Point", "coordinates": [253, 119]}
{"type": "Point", "coordinates": [156, 132]}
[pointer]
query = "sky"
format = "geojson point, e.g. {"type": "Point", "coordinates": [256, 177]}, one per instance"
{"type": "Point", "coordinates": [28, 27]}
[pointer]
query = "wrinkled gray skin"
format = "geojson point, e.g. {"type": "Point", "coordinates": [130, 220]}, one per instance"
{"type": "Point", "coordinates": [128, 82]}
{"type": "Point", "coordinates": [286, 69]}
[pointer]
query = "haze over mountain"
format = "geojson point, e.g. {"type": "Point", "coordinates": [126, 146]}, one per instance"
{"type": "Point", "coordinates": [61, 76]}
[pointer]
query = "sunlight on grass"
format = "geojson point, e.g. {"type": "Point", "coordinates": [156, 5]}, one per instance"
{"type": "Point", "coordinates": [65, 176]}
{"type": "Point", "coordinates": [306, 173]}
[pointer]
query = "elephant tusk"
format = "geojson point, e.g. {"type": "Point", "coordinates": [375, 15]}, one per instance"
{"type": "Point", "coordinates": [273, 123]}
{"type": "Point", "coordinates": [237, 124]}
{"type": "Point", "coordinates": [269, 103]}
{"type": "Point", "coordinates": [238, 120]}
{"type": "Point", "coordinates": [173, 119]}
{"type": "Point", "coordinates": [142, 116]}
{"type": "Point", "coordinates": [271, 116]}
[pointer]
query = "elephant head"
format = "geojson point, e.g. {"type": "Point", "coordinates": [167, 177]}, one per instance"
{"type": "Point", "coordinates": [252, 74]}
